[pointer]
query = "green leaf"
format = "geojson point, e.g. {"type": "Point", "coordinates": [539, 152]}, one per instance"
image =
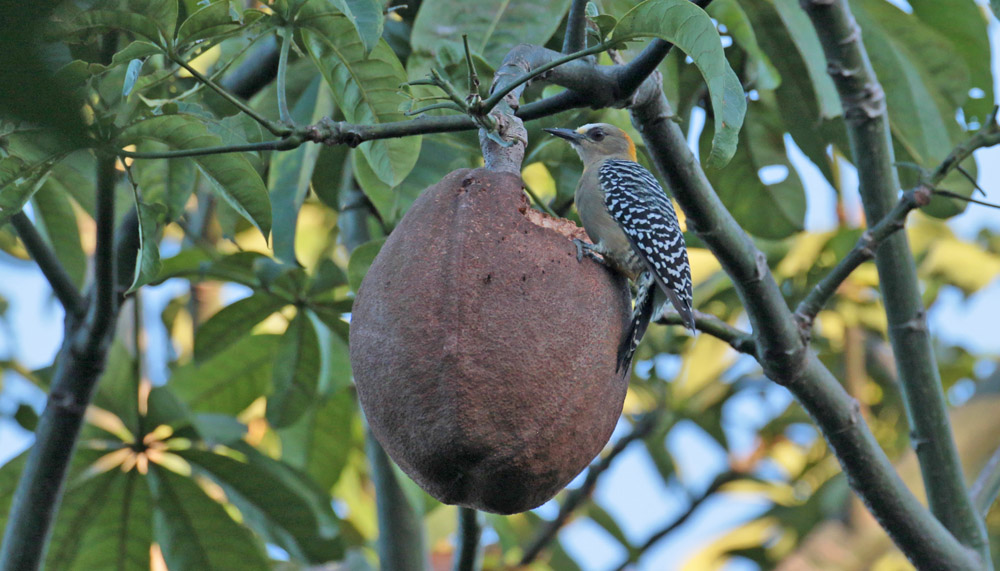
{"type": "Point", "coordinates": [296, 374]}
{"type": "Point", "coordinates": [135, 50]}
{"type": "Point", "coordinates": [964, 24]}
{"type": "Point", "coordinates": [773, 209]}
{"type": "Point", "coordinates": [118, 387]}
{"type": "Point", "coordinates": [493, 26]}
{"type": "Point", "coordinates": [807, 98]}
{"type": "Point", "coordinates": [56, 219]}
{"type": "Point", "coordinates": [147, 261]}
{"type": "Point", "coordinates": [367, 17]}
{"type": "Point", "coordinates": [334, 357]}
{"type": "Point", "coordinates": [230, 381]}
{"type": "Point", "coordinates": [285, 505]}
{"type": "Point", "coordinates": [13, 196]}
{"type": "Point", "coordinates": [361, 260]}
{"type": "Point", "coordinates": [232, 323]}
{"type": "Point", "coordinates": [995, 6]}
{"type": "Point", "coordinates": [28, 90]}
{"type": "Point", "coordinates": [366, 88]}
{"type": "Point", "coordinates": [923, 79]}
{"type": "Point", "coordinates": [196, 264]}
{"type": "Point", "coordinates": [231, 175]}
{"type": "Point", "coordinates": [104, 523]}
{"type": "Point", "coordinates": [688, 27]}
{"type": "Point", "coordinates": [169, 182]}
{"type": "Point", "coordinates": [195, 533]}
{"type": "Point", "coordinates": [290, 172]}
{"type": "Point", "coordinates": [320, 441]}
{"type": "Point", "coordinates": [730, 14]}
{"type": "Point", "coordinates": [85, 22]}
{"type": "Point", "coordinates": [214, 22]}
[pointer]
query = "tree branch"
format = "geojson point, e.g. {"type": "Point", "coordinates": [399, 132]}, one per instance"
{"type": "Point", "coordinates": [278, 145]}
{"type": "Point", "coordinates": [275, 129]}
{"type": "Point", "coordinates": [720, 480]}
{"type": "Point", "coordinates": [576, 28]}
{"type": "Point", "coordinates": [738, 339]}
{"type": "Point", "coordinates": [782, 351]}
{"type": "Point", "coordinates": [864, 250]}
{"type": "Point", "coordinates": [47, 261]}
{"type": "Point", "coordinates": [467, 556]}
{"type": "Point", "coordinates": [78, 366]}
{"type": "Point", "coordinates": [575, 498]}
{"type": "Point", "coordinates": [400, 543]}
{"type": "Point", "coordinates": [868, 131]}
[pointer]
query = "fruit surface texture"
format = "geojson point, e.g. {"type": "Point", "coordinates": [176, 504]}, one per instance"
{"type": "Point", "coordinates": [483, 351]}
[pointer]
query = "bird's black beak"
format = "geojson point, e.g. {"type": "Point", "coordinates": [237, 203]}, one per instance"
{"type": "Point", "coordinates": [568, 134]}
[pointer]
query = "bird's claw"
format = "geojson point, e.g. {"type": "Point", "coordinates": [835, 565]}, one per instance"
{"type": "Point", "coordinates": [588, 249]}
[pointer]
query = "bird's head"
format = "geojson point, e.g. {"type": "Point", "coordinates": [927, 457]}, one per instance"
{"type": "Point", "coordinates": [596, 141]}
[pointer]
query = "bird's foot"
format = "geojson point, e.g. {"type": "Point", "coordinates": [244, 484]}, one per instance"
{"type": "Point", "coordinates": [593, 252]}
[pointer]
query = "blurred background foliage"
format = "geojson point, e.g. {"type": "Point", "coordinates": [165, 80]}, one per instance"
{"type": "Point", "coordinates": [225, 432]}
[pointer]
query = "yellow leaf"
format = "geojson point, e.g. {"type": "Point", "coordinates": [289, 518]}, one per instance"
{"type": "Point", "coordinates": [960, 263]}
{"type": "Point", "coordinates": [803, 254]}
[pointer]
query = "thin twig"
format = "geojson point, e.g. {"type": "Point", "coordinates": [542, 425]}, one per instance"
{"type": "Point", "coordinates": [278, 145]}
{"type": "Point", "coordinates": [984, 491]}
{"type": "Point", "coordinates": [278, 130]}
{"type": "Point", "coordinates": [47, 261]}
{"type": "Point", "coordinates": [695, 503]}
{"type": "Point", "coordinates": [738, 339]}
{"type": "Point", "coordinates": [576, 497]}
{"type": "Point", "coordinates": [864, 250]}
{"type": "Point", "coordinates": [497, 96]}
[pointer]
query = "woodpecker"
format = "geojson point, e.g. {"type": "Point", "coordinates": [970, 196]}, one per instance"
{"type": "Point", "coordinates": [632, 224]}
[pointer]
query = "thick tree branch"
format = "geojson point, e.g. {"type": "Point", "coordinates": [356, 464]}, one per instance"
{"type": "Point", "coordinates": [469, 530]}
{"type": "Point", "coordinates": [47, 261]}
{"type": "Point", "coordinates": [575, 498]}
{"type": "Point", "coordinates": [782, 351]}
{"type": "Point", "coordinates": [576, 28]}
{"type": "Point", "coordinates": [400, 543]}
{"type": "Point", "coordinates": [868, 131]}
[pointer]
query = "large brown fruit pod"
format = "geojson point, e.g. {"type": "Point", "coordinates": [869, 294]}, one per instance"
{"type": "Point", "coordinates": [483, 352]}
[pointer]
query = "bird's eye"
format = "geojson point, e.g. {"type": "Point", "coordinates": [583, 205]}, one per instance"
{"type": "Point", "coordinates": [596, 135]}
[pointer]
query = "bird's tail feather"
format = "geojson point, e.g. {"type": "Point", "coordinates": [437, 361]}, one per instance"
{"type": "Point", "coordinates": [641, 315]}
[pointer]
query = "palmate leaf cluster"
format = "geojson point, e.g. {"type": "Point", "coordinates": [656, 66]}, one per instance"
{"type": "Point", "coordinates": [237, 443]}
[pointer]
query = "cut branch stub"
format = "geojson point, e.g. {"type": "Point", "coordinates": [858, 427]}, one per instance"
{"type": "Point", "coordinates": [483, 352]}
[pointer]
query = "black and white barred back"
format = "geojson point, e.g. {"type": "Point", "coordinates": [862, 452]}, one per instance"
{"type": "Point", "coordinates": [646, 216]}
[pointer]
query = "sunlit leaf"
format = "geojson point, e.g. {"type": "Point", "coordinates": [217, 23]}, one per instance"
{"type": "Point", "coordinates": [688, 27]}
{"type": "Point", "coordinates": [195, 533]}
{"type": "Point", "coordinates": [308, 446]}
{"type": "Point", "coordinates": [104, 523]}
{"type": "Point", "coordinates": [277, 500]}
{"type": "Point", "coordinates": [230, 381]}
{"type": "Point", "coordinates": [335, 361]}
{"type": "Point", "coordinates": [232, 323]}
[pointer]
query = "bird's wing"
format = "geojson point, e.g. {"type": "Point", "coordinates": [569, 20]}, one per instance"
{"type": "Point", "coordinates": [642, 210]}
